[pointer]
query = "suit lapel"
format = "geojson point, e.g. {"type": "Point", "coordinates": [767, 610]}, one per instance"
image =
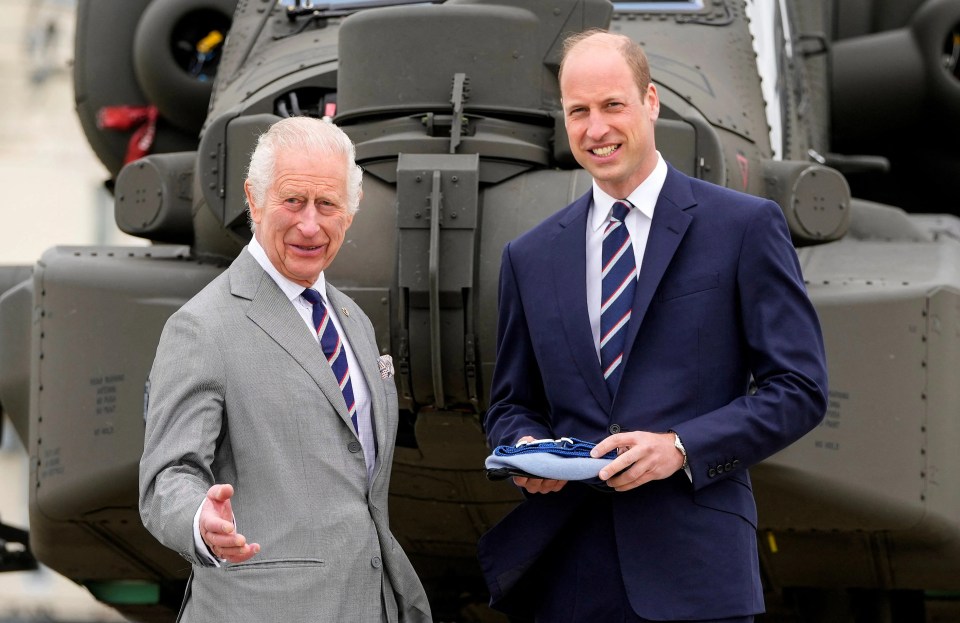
{"type": "Point", "coordinates": [569, 259]}
{"type": "Point", "coordinates": [667, 229]}
{"type": "Point", "coordinates": [272, 311]}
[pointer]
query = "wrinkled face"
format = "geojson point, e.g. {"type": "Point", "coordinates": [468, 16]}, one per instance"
{"type": "Point", "coordinates": [609, 120]}
{"type": "Point", "coordinates": [304, 216]}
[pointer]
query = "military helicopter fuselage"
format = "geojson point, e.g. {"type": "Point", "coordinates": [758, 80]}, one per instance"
{"type": "Point", "coordinates": [455, 112]}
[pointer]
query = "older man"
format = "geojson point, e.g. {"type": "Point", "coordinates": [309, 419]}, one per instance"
{"type": "Point", "coordinates": [271, 419]}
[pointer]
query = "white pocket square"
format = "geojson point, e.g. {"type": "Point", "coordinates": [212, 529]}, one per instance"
{"type": "Point", "coordinates": [385, 363]}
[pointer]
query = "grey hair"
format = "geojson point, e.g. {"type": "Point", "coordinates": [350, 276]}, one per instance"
{"type": "Point", "coordinates": [305, 134]}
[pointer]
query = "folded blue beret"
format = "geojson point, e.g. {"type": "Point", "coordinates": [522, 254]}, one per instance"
{"type": "Point", "coordinates": [566, 458]}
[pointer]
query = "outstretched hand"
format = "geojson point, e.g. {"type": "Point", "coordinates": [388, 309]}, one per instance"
{"type": "Point", "coordinates": [217, 528]}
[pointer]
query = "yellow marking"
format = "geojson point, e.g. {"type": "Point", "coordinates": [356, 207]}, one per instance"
{"type": "Point", "coordinates": [209, 42]}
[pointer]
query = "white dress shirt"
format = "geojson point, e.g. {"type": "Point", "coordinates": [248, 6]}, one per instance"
{"type": "Point", "coordinates": [644, 199]}
{"type": "Point", "coordinates": [361, 393]}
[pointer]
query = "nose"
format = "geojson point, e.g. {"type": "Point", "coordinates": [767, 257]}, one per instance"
{"type": "Point", "coordinates": [597, 127]}
{"type": "Point", "coordinates": [309, 222]}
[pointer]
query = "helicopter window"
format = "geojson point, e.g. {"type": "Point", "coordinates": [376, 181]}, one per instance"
{"type": "Point", "coordinates": [659, 6]}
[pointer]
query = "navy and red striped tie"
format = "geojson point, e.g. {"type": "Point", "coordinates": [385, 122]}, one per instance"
{"type": "Point", "coordinates": [619, 282]}
{"type": "Point", "coordinates": [333, 350]}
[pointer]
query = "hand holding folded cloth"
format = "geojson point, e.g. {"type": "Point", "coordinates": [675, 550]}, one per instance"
{"type": "Point", "coordinates": [566, 458]}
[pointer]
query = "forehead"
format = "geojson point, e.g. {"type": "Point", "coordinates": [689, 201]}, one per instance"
{"type": "Point", "coordinates": [303, 170]}
{"type": "Point", "coordinates": [592, 68]}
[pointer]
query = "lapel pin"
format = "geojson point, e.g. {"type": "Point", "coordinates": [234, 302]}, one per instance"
{"type": "Point", "coordinates": [345, 312]}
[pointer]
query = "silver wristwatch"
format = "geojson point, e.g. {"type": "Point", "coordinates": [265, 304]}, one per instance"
{"type": "Point", "coordinates": [679, 446]}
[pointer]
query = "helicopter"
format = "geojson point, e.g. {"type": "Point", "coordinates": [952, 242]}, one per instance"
{"type": "Point", "coordinates": [842, 112]}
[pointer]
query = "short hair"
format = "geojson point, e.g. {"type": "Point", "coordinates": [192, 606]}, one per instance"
{"type": "Point", "coordinates": [306, 134]}
{"type": "Point", "coordinates": [631, 50]}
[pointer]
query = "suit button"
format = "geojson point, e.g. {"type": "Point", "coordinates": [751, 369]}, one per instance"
{"type": "Point", "coordinates": [712, 472]}
{"type": "Point", "coordinates": [375, 562]}
{"type": "Point", "coordinates": [736, 462]}
{"type": "Point", "coordinates": [614, 429]}
{"type": "Point", "coordinates": [728, 467]}
{"type": "Point", "coordinates": [354, 446]}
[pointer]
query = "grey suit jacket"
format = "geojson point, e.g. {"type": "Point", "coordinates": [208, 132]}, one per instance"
{"type": "Point", "coordinates": [239, 393]}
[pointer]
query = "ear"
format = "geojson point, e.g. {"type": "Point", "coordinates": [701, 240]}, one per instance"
{"type": "Point", "coordinates": [255, 210]}
{"type": "Point", "coordinates": [653, 101]}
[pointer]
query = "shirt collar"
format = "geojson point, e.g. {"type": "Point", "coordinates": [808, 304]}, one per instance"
{"type": "Point", "coordinates": [644, 197]}
{"type": "Point", "coordinates": [290, 289]}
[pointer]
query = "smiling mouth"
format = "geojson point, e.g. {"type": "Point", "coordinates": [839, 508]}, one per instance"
{"type": "Point", "coordinates": [604, 151]}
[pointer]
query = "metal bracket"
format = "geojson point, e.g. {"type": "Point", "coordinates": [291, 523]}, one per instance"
{"type": "Point", "coordinates": [434, 268]}
{"type": "Point", "coordinates": [437, 203]}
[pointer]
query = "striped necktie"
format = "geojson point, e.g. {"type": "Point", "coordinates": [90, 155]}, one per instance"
{"type": "Point", "coordinates": [619, 282]}
{"type": "Point", "coordinates": [333, 350]}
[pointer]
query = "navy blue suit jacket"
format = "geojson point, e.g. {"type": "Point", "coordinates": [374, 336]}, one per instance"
{"type": "Point", "coordinates": [723, 347]}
